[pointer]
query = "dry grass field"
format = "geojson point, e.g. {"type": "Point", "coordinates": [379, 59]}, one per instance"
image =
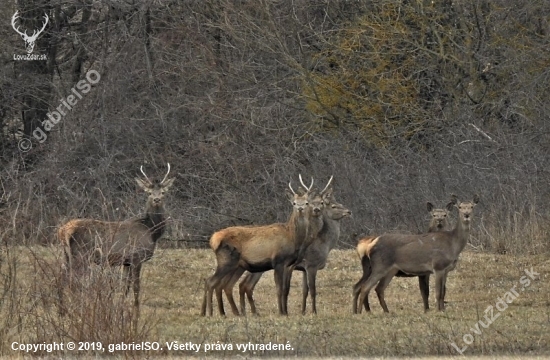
{"type": "Point", "coordinates": [172, 291]}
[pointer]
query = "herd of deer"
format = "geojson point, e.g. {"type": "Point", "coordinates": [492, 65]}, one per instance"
{"type": "Point", "coordinates": [302, 243]}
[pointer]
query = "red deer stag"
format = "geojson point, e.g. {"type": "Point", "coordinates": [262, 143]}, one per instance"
{"type": "Point", "coordinates": [438, 222]}
{"type": "Point", "coordinates": [261, 248]}
{"type": "Point", "coordinates": [413, 255]}
{"type": "Point", "coordinates": [317, 205]}
{"type": "Point", "coordinates": [123, 243]}
{"type": "Point", "coordinates": [315, 257]}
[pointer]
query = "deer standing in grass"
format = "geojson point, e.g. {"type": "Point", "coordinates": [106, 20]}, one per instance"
{"type": "Point", "coordinates": [315, 257]}
{"type": "Point", "coordinates": [122, 243]}
{"type": "Point", "coordinates": [278, 246]}
{"type": "Point", "coordinates": [416, 255]}
{"type": "Point", "coordinates": [438, 222]}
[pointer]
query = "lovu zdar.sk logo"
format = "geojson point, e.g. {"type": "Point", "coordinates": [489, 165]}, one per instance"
{"type": "Point", "coordinates": [29, 40]}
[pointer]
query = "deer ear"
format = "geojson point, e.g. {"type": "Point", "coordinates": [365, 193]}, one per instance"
{"type": "Point", "coordinates": [142, 184]}
{"type": "Point", "coordinates": [476, 199]}
{"type": "Point", "coordinates": [327, 194]}
{"type": "Point", "coordinates": [167, 183]}
{"type": "Point", "coordinates": [450, 206]}
{"type": "Point", "coordinates": [312, 193]}
{"type": "Point", "coordinates": [429, 206]}
{"type": "Point", "coordinates": [289, 195]}
{"type": "Point", "coordinates": [454, 199]}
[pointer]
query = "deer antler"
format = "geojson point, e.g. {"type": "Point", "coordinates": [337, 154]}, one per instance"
{"type": "Point", "coordinates": [146, 178]}
{"type": "Point", "coordinates": [34, 36]}
{"type": "Point", "coordinates": [35, 32]}
{"type": "Point", "coordinates": [13, 19]}
{"type": "Point", "coordinates": [304, 185]}
{"type": "Point", "coordinates": [291, 189]}
{"type": "Point", "coordinates": [168, 172]}
{"type": "Point", "coordinates": [29, 40]}
{"type": "Point", "coordinates": [328, 184]}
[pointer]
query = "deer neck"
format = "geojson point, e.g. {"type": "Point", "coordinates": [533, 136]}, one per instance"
{"type": "Point", "coordinates": [330, 232]}
{"type": "Point", "coordinates": [461, 233]}
{"type": "Point", "coordinates": [154, 220]}
{"type": "Point", "coordinates": [298, 227]}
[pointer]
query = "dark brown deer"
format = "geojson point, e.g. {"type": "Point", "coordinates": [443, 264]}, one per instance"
{"type": "Point", "coordinates": [127, 243]}
{"type": "Point", "coordinates": [260, 248]}
{"type": "Point", "coordinates": [416, 255]}
{"type": "Point", "coordinates": [315, 257]}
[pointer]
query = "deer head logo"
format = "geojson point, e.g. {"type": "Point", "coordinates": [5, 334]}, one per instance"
{"type": "Point", "coordinates": [29, 40]}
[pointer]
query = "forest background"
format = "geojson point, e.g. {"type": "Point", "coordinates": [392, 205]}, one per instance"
{"type": "Point", "coordinates": [403, 102]}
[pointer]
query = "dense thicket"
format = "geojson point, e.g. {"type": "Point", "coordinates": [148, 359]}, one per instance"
{"type": "Point", "coordinates": [403, 101]}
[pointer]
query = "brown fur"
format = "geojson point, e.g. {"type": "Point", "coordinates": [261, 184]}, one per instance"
{"type": "Point", "coordinates": [314, 259]}
{"type": "Point", "coordinates": [414, 255]}
{"type": "Point", "coordinates": [126, 243]}
{"type": "Point", "coordinates": [258, 248]}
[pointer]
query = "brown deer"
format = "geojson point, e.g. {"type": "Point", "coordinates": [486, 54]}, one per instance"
{"type": "Point", "coordinates": [315, 257]}
{"type": "Point", "coordinates": [416, 255]}
{"type": "Point", "coordinates": [278, 246]}
{"type": "Point", "coordinates": [123, 243]}
{"type": "Point", "coordinates": [438, 222]}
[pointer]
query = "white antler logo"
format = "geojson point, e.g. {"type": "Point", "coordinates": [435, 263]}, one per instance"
{"type": "Point", "coordinates": [29, 40]}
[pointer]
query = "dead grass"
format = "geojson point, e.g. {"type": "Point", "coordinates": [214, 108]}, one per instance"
{"type": "Point", "coordinates": [172, 290]}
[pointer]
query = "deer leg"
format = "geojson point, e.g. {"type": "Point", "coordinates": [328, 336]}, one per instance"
{"type": "Point", "coordinates": [136, 271]}
{"type": "Point", "coordinates": [382, 285]}
{"type": "Point", "coordinates": [68, 265]}
{"type": "Point", "coordinates": [373, 279]}
{"type": "Point", "coordinates": [64, 282]}
{"type": "Point", "coordinates": [440, 277]}
{"type": "Point", "coordinates": [247, 287]}
{"type": "Point", "coordinates": [446, 274]}
{"type": "Point", "coordinates": [279, 280]}
{"type": "Point", "coordinates": [356, 292]}
{"type": "Point", "coordinates": [424, 284]}
{"type": "Point", "coordinates": [227, 258]}
{"type": "Point", "coordinates": [444, 290]}
{"type": "Point", "coordinates": [365, 262]}
{"type": "Point", "coordinates": [286, 286]}
{"type": "Point", "coordinates": [205, 298]}
{"type": "Point", "coordinates": [219, 299]}
{"type": "Point", "coordinates": [209, 285]}
{"type": "Point", "coordinates": [312, 275]}
{"type": "Point", "coordinates": [228, 288]}
{"type": "Point", "coordinates": [305, 291]}
{"type": "Point", "coordinates": [127, 278]}
{"type": "Point", "coordinates": [219, 288]}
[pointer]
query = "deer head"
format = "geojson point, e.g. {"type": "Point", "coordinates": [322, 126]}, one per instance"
{"type": "Point", "coordinates": [315, 197]}
{"type": "Point", "coordinates": [300, 201]}
{"type": "Point", "coordinates": [465, 208]}
{"type": "Point", "coordinates": [155, 189]}
{"type": "Point", "coordinates": [29, 40]}
{"type": "Point", "coordinates": [439, 216]}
